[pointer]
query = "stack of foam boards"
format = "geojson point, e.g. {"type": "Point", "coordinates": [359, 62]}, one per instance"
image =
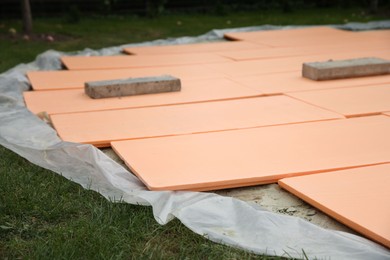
{"type": "Point", "coordinates": [244, 116]}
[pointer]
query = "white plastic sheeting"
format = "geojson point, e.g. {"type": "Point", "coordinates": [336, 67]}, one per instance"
{"type": "Point", "coordinates": [222, 219]}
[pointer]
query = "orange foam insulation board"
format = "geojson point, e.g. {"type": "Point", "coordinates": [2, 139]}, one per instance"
{"type": "Point", "coordinates": [135, 61]}
{"type": "Point", "coordinates": [310, 36]}
{"type": "Point", "coordinates": [194, 48]}
{"type": "Point", "coordinates": [256, 156]}
{"type": "Point", "coordinates": [307, 32]}
{"type": "Point", "coordinates": [280, 83]}
{"type": "Point", "coordinates": [192, 91]}
{"type": "Point", "coordinates": [70, 79]}
{"type": "Point", "coordinates": [284, 64]}
{"type": "Point", "coordinates": [350, 102]}
{"type": "Point", "coordinates": [102, 127]}
{"type": "Point", "coordinates": [365, 48]}
{"type": "Point", "coordinates": [358, 197]}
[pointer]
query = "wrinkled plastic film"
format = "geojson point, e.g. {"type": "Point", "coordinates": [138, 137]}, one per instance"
{"type": "Point", "coordinates": [222, 219]}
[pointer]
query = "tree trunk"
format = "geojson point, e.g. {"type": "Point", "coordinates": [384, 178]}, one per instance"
{"type": "Point", "coordinates": [27, 18]}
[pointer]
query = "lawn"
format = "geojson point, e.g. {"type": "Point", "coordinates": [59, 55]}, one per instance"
{"type": "Point", "coordinates": [45, 216]}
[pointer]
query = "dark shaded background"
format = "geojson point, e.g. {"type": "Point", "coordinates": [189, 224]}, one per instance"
{"type": "Point", "coordinates": [152, 8]}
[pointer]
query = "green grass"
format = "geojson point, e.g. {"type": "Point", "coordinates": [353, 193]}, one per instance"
{"type": "Point", "coordinates": [99, 32]}
{"type": "Point", "coordinates": [45, 216]}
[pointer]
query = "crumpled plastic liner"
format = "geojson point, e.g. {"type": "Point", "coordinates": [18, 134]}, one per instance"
{"type": "Point", "coordinates": [221, 219]}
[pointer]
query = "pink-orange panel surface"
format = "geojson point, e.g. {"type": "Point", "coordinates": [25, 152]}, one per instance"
{"type": "Point", "coordinates": [134, 61]}
{"type": "Point", "coordinates": [65, 79]}
{"type": "Point", "coordinates": [285, 34]}
{"type": "Point", "coordinates": [280, 83]}
{"type": "Point", "coordinates": [258, 155]}
{"type": "Point", "coordinates": [379, 35]}
{"type": "Point", "coordinates": [194, 48]}
{"type": "Point", "coordinates": [365, 48]}
{"type": "Point", "coordinates": [358, 197]}
{"type": "Point", "coordinates": [322, 36]}
{"type": "Point", "coordinates": [286, 64]}
{"type": "Point", "coordinates": [358, 101]}
{"type": "Point", "coordinates": [310, 40]}
{"type": "Point", "coordinates": [74, 100]}
{"type": "Point", "coordinates": [292, 37]}
{"type": "Point", "coordinates": [102, 127]}
{"type": "Point", "coordinates": [387, 113]}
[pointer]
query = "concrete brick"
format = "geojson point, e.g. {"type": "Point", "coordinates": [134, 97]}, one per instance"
{"type": "Point", "coordinates": [132, 86]}
{"type": "Point", "coordinates": [345, 68]}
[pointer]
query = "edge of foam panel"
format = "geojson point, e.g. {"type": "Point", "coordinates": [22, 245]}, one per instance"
{"type": "Point", "coordinates": [292, 187]}
{"type": "Point", "coordinates": [239, 164]}
{"type": "Point", "coordinates": [111, 125]}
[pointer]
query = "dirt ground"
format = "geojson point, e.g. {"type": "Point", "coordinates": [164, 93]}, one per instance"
{"type": "Point", "coordinates": [272, 198]}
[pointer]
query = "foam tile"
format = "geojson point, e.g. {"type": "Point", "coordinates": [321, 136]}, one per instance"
{"type": "Point", "coordinates": [285, 82]}
{"type": "Point", "coordinates": [381, 35]}
{"type": "Point", "coordinates": [74, 100]}
{"type": "Point", "coordinates": [285, 64]}
{"type": "Point", "coordinates": [258, 155]}
{"type": "Point", "coordinates": [193, 48]}
{"type": "Point", "coordinates": [314, 36]}
{"type": "Point", "coordinates": [359, 101]}
{"type": "Point", "coordinates": [65, 79]}
{"type": "Point", "coordinates": [102, 127]}
{"type": "Point", "coordinates": [365, 48]}
{"type": "Point", "coordinates": [358, 197]}
{"type": "Point", "coordinates": [288, 33]}
{"type": "Point", "coordinates": [134, 61]}
{"type": "Point", "coordinates": [289, 37]}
